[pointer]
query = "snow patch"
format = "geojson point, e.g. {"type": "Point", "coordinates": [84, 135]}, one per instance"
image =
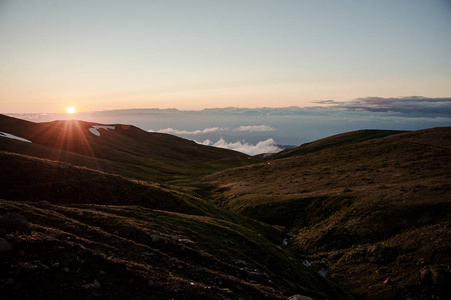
{"type": "Point", "coordinates": [11, 136]}
{"type": "Point", "coordinates": [95, 129]}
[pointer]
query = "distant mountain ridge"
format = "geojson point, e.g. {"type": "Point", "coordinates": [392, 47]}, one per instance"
{"type": "Point", "coordinates": [291, 125]}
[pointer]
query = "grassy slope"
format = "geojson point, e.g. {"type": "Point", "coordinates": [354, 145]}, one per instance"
{"type": "Point", "coordinates": [388, 194]}
{"type": "Point", "coordinates": [27, 178]}
{"type": "Point", "coordinates": [369, 205]}
{"type": "Point", "coordinates": [126, 150]}
{"type": "Point", "coordinates": [185, 246]}
{"type": "Point", "coordinates": [335, 141]}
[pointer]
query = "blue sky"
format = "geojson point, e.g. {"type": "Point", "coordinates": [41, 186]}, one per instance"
{"type": "Point", "coordinates": [98, 55]}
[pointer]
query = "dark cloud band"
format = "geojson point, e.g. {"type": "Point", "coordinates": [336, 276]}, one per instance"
{"type": "Point", "coordinates": [406, 105]}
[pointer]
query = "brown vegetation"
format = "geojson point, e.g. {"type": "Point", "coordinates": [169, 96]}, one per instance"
{"type": "Point", "coordinates": [128, 215]}
{"type": "Point", "coordinates": [392, 193]}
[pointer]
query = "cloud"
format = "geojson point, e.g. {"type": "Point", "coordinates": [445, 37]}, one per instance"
{"type": "Point", "coordinates": [267, 146]}
{"type": "Point", "coordinates": [254, 128]}
{"type": "Point", "coordinates": [207, 142]}
{"type": "Point", "coordinates": [404, 105]}
{"type": "Point", "coordinates": [186, 132]}
{"type": "Point", "coordinates": [250, 128]}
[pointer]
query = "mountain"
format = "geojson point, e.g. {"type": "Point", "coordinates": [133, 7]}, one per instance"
{"type": "Point", "coordinates": [378, 209]}
{"type": "Point", "coordinates": [73, 232]}
{"type": "Point", "coordinates": [334, 141]}
{"type": "Point", "coordinates": [119, 149]}
{"type": "Point", "coordinates": [91, 210]}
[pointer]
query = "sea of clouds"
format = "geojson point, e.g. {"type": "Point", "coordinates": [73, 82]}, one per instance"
{"type": "Point", "coordinates": [265, 146]}
{"type": "Point", "coordinates": [268, 130]}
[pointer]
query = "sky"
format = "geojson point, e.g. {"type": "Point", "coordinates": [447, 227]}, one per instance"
{"type": "Point", "coordinates": [190, 55]}
{"type": "Point", "coordinates": [268, 130]}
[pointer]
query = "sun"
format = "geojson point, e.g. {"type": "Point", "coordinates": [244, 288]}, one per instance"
{"type": "Point", "coordinates": [71, 110]}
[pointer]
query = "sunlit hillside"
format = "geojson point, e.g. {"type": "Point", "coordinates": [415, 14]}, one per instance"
{"type": "Point", "coordinates": [377, 210]}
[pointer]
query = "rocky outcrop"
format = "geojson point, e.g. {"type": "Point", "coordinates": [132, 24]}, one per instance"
{"type": "Point", "coordinates": [11, 223]}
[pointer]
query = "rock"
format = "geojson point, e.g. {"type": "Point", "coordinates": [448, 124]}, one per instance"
{"type": "Point", "coordinates": [335, 256]}
{"type": "Point", "coordinates": [373, 250]}
{"type": "Point", "coordinates": [240, 262]}
{"type": "Point", "coordinates": [227, 291]}
{"type": "Point", "coordinates": [223, 252]}
{"type": "Point", "coordinates": [186, 241]}
{"type": "Point", "coordinates": [299, 297]}
{"type": "Point", "coordinates": [254, 274]}
{"type": "Point", "coordinates": [205, 254]}
{"type": "Point", "coordinates": [347, 190]}
{"type": "Point", "coordinates": [381, 255]}
{"type": "Point", "coordinates": [323, 272]}
{"type": "Point", "coordinates": [435, 277]}
{"type": "Point", "coordinates": [93, 285]}
{"type": "Point", "coordinates": [426, 276]}
{"type": "Point", "coordinates": [155, 238]}
{"type": "Point", "coordinates": [14, 223]}
{"type": "Point", "coordinates": [5, 246]}
{"type": "Point", "coordinates": [173, 237]}
{"type": "Point", "coordinates": [374, 253]}
{"type": "Point", "coordinates": [50, 239]}
{"type": "Point", "coordinates": [66, 269]}
{"type": "Point", "coordinates": [151, 282]}
{"type": "Point", "coordinates": [307, 263]}
{"type": "Point", "coordinates": [43, 204]}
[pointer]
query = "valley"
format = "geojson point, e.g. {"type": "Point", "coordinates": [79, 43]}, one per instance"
{"type": "Point", "coordinates": [92, 210]}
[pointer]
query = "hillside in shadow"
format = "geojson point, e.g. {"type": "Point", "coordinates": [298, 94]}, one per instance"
{"type": "Point", "coordinates": [120, 149]}
{"type": "Point", "coordinates": [109, 211]}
